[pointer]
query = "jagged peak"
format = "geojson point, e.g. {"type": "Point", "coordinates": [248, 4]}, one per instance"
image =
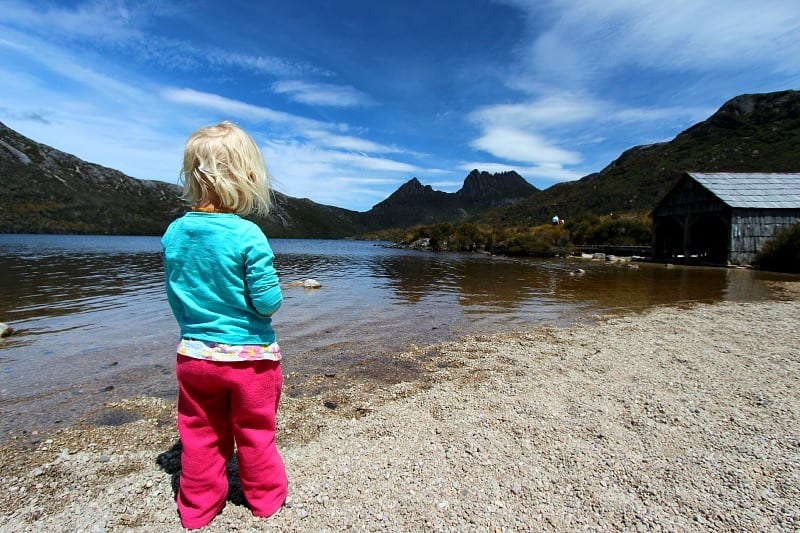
{"type": "Point", "coordinates": [479, 184]}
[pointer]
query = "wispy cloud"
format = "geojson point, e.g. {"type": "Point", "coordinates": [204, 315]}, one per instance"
{"type": "Point", "coordinates": [541, 113]}
{"type": "Point", "coordinates": [346, 142]}
{"type": "Point", "coordinates": [124, 26]}
{"type": "Point", "coordinates": [321, 133]}
{"type": "Point", "coordinates": [109, 21]}
{"type": "Point", "coordinates": [262, 64]}
{"type": "Point", "coordinates": [525, 146]}
{"type": "Point", "coordinates": [322, 94]}
{"type": "Point", "coordinates": [591, 39]}
{"type": "Point", "coordinates": [236, 108]}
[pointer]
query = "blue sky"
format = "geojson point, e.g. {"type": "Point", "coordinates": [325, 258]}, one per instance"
{"type": "Point", "coordinates": [350, 99]}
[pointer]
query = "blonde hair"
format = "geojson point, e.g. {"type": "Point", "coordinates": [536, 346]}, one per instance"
{"type": "Point", "coordinates": [223, 166]}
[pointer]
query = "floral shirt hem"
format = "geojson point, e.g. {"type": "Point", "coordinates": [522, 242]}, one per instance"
{"type": "Point", "coordinates": [216, 351]}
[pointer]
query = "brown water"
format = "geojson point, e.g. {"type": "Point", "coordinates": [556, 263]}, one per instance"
{"type": "Point", "coordinates": [92, 323]}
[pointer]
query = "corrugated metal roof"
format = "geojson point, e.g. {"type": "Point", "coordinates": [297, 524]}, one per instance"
{"type": "Point", "coordinates": [778, 191]}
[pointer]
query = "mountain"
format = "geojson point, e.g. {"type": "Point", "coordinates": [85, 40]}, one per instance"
{"type": "Point", "coordinates": [414, 203]}
{"type": "Point", "coordinates": [749, 133]}
{"type": "Point", "coordinates": [302, 218]}
{"type": "Point", "coordinates": [44, 190]}
{"type": "Point", "coordinates": [503, 188]}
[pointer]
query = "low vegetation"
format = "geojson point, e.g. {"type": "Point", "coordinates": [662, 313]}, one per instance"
{"type": "Point", "coordinates": [632, 229]}
{"type": "Point", "coordinates": [782, 252]}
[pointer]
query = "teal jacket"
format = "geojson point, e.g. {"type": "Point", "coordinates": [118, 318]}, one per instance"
{"type": "Point", "coordinates": [221, 284]}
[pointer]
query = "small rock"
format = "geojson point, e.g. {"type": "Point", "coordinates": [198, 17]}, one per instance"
{"type": "Point", "coordinates": [306, 284]}
{"type": "Point", "coordinates": [5, 330]}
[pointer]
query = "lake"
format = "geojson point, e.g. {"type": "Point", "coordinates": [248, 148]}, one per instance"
{"type": "Point", "coordinates": [92, 323]}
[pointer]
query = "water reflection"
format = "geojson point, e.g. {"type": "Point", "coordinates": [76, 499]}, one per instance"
{"type": "Point", "coordinates": [491, 284]}
{"type": "Point", "coordinates": [51, 289]}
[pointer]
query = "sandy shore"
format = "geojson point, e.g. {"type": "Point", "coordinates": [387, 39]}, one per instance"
{"type": "Point", "coordinates": [677, 419]}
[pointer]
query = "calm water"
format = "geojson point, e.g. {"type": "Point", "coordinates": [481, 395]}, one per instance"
{"type": "Point", "coordinates": [92, 323]}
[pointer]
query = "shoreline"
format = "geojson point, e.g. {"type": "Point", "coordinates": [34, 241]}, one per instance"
{"type": "Point", "coordinates": [679, 418]}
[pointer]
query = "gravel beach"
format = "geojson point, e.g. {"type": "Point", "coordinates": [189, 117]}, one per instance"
{"type": "Point", "coordinates": [680, 418]}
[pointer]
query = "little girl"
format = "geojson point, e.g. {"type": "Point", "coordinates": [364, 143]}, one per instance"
{"type": "Point", "coordinates": [223, 289]}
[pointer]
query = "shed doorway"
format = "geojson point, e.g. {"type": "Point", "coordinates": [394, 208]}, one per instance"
{"type": "Point", "coordinates": [693, 237]}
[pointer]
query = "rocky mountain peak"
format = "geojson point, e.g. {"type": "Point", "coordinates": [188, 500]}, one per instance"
{"type": "Point", "coordinates": [482, 185]}
{"type": "Point", "coordinates": [410, 191]}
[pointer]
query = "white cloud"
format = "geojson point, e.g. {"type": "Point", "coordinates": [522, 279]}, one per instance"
{"type": "Point", "coordinates": [345, 142]}
{"type": "Point", "coordinates": [269, 65]}
{"type": "Point", "coordinates": [321, 133]}
{"type": "Point", "coordinates": [112, 21]}
{"type": "Point", "coordinates": [234, 107]}
{"type": "Point", "coordinates": [586, 39]}
{"type": "Point", "coordinates": [126, 26]}
{"type": "Point", "coordinates": [321, 94]}
{"type": "Point", "coordinates": [551, 110]}
{"type": "Point", "coordinates": [524, 146]}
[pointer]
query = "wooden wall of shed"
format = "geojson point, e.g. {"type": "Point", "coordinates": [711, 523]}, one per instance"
{"type": "Point", "coordinates": [751, 228]}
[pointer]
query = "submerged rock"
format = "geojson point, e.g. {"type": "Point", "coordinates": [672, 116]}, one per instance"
{"type": "Point", "coordinates": [5, 330]}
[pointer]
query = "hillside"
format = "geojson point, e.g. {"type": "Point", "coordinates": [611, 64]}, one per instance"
{"type": "Point", "coordinates": [749, 133]}
{"type": "Point", "coordinates": [44, 190]}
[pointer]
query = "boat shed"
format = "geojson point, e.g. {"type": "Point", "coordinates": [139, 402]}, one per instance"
{"type": "Point", "coordinates": [723, 218]}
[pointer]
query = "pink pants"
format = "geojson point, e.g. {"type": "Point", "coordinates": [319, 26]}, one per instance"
{"type": "Point", "coordinates": [219, 403]}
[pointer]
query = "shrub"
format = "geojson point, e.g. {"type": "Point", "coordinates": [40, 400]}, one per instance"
{"type": "Point", "coordinates": [536, 241]}
{"type": "Point", "coordinates": [782, 252]}
{"type": "Point", "coordinates": [620, 230]}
